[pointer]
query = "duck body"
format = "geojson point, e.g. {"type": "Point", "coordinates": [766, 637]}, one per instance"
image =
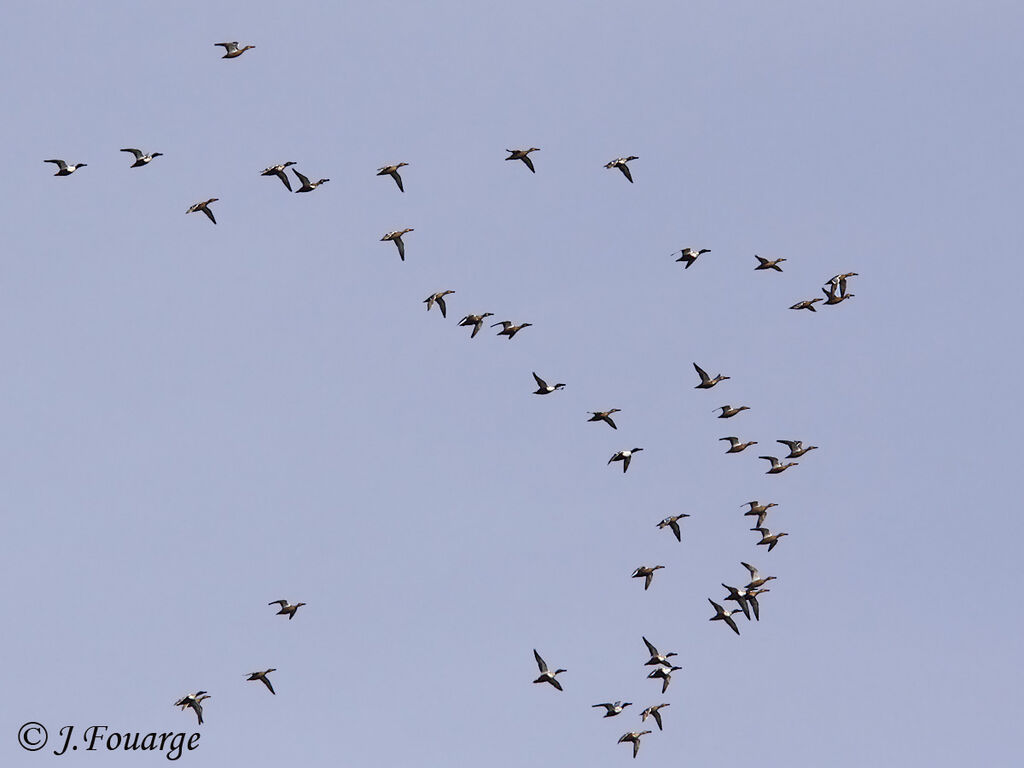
{"type": "Point", "coordinates": [673, 523]}
{"type": "Point", "coordinates": [279, 171]}
{"type": "Point", "coordinates": [735, 446]}
{"type": "Point", "coordinates": [142, 159]}
{"type": "Point", "coordinates": [646, 573]}
{"type": "Point", "coordinates": [396, 238]}
{"type": "Point", "coordinates": [439, 299]}
{"type": "Point", "coordinates": [756, 580]}
{"type": "Point", "coordinates": [524, 155]}
{"type": "Point", "coordinates": [721, 614]}
{"type": "Point", "coordinates": [543, 388]}
{"type": "Point", "coordinates": [653, 712]}
{"type": "Point", "coordinates": [768, 538]}
{"type": "Point", "coordinates": [195, 702]}
{"type": "Point", "coordinates": [764, 263]}
{"type": "Point", "coordinates": [777, 466]}
{"type": "Point", "coordinates": [727, 411]}
{"type": "Point", "coordinates": [689, 255]}
{"type": "Point", "coordinates": [307, 185]}
{"type": "Point", "coordinates": [477, 321]}
{"type": "Point", "coordinates": [204, 207]}
{"type": "Point", "coordinates": [624, 457]}
{"type": "Point", "coordinates": [613, 708]}
{"type": "Point", "coordinates": [262, 677]}
{"type": "Point", "coordinates": [509, 329]}
{"type": "Point", "coordinates": [806, 304]}
{"type": "Point", "coordinates": [63, 169]}
{"type": "Point", "coordinates": [706, 382]}
{"type": "Point", "coordinates": [546, 675]}
{"type": "Point", "coordinates": [657, 658]}
{"type": "Point", "coordinates": [620, 163]}
{"type": "Point", "coordinates": [663, 673]}
{"type": "Point", "coordinates": [231, 50]}
{"type": "Point", "coordinates": [796, 448]}
{"type": "Point", "coordinates": [392, 171]}
{"type": "Point", "coordinates": [286, 608]}
{"type": "Point", "coordinates": [605, 416]}
{"type": "Point", "coordinates": [634, 738]}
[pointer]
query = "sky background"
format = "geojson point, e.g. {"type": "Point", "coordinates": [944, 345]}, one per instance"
{"type": "Point", "coordinates": [196, 420]}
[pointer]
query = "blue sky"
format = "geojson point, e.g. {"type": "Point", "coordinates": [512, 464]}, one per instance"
{"type": "Point", "coordinates": [199, 419]}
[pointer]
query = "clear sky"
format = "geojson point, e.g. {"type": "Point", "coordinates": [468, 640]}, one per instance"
{"type": "Point", "coordinates": [196, 420]}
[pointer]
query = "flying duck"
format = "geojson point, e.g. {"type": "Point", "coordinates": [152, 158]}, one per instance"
{"type": "Point", "coordinates": [307, 185]}
{"type": "Point", "coordinates": [657, 658]}
{"type": "Point", "coordinates": [665, 673]}
{"type": "Point", "coordinates": [840, 282]}
{"type": "Point", "coordinates": [723, 615]}
{"type": "Point", "coordinates": [278, 170]}
{"type": "Point", "coordinates": [806, 304]}
{"type": "Point", "coordinates": [689, 255]}
{"type": "Point", "coordinates": [543, 388]}
{"type": "Point", "coordinates": [735, 446]}
{"type": "Point", "coordinates": [620, 163]}
{"type": "Point", "coordinates": [476, 321]}
{"type": "Point", "coordinates": [673, 523]}
{"type": "Point", "coordinates": [286, 608]}
{"type": "Point", "coordinates": [605, 416]}
{"type": "Point", "coordinates": [524, 155]}
{"type": "Point", "coordinates": [764, 263]}
{"type": "Point", "coordinates": [740, 596]}
{"type": "Point", "coordinates": [706, 382]}
{"type": "Point", "coordinates": [439, 298]}
{"type": "Point", "coordinates": [633, 736]}
{"type": "Point", "coordinates": [756, 579]}
{"type": "Point", "coordinates": [760, 511]}
{"type": "Point", "coordinates": [262, 677]}
{"type": "Point", "coordinates": [392, 171]}
{"type": "Point", "coordinates": [509, 329]}
{"type": "Point", "coordinates": [768, 538]}
{"type": "Point", "coordinates": [142, 159]}
{"type": "Point", "coordinates": [546, 676]}
{"type": "Point", "coordinates": [396, 236]}
{"type": "Point", "coordinates": [751, 598]}
{"type": "Point", "coordinates": [653, 712]}
{"type": "Point", "coordinates": [796, 448]}
{"type": "Point", "coordinates": [777, 466]}
{"type": "Point", "coordinates": [832, 298]}
{"type": "Point", "coordinates": [231, 50]}
{"type": "Point", "coordinates": [757, 508]}
{"type": "Point", "coordinates": [646, 572]}
{"type": "Point", "coordinates": [613, 709]}
{"type": "Point", "coordinates": [63, 169]}
{"type": "Point", "coordinates": [624, 457]}
{"type": "Point", "coordinates": [205, 208]}
{"type": "Point", "coordinates": [193, 700]}
{"type": "Point", "coordinates": [727, 411]}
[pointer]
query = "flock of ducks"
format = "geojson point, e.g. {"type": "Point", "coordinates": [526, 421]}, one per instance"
{"type": "Point", "coordinates": [744, 597]}
{"type": "Point", "coordinates": [194, 701]}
